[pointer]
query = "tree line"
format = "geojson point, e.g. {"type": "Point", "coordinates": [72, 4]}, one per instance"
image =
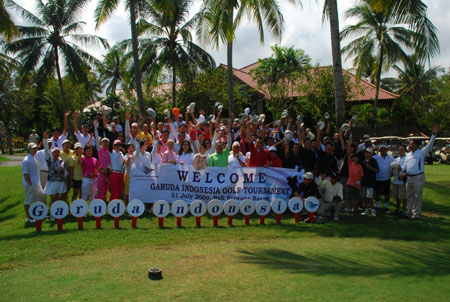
{"type": "Point", "coordinates": [46, 56]}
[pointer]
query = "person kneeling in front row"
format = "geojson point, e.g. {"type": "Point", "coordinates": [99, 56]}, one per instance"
{"type": "Point", "coordinates": [332, 196]}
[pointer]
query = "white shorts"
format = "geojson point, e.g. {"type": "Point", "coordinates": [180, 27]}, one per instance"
{"type": "Point", "coordinates": [55, 187]}
{"type": "Point", "coordinates": [366, 192]}
{"type": "Point", "coordinates": [34, 193]}
{"type": "Point", "coordinates": [88, 188]}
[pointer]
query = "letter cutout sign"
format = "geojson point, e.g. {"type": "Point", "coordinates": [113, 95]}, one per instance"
{"type": "Point", "coordinates": [197, 209]}
{"type": "Point", "coordinates": [38, 211]}
{"type": "Point", "coordinates": [215, 208]}
{"type": "Point", "coordinates": [161, 209]}
{"type": "Point", "coordinates": [135, 208]}
{"type": "Point", "coordinates": [79, 209]}
{"type": "Point", "coordinates": [179, 210]}
{"type": "Point", "coordinates": [59, 209]}
{"type": "Point", "coordinates": [97, 207]}
{"type": "Point", "coordinates": [231, 208]}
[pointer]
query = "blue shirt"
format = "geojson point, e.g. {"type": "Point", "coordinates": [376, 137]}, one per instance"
{"type": "Point", "coordinates": [384, 167]}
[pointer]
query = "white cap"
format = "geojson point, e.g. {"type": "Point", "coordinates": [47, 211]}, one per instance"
{"type": "Point", "coordinates": [201, 119]}
{"type": "Point", "coordinates": [308, 175]}
{"type": "Point", "coordinates": [31, 146]}
{"type": "Point", "coordinates": [368, 150]}
{"type": "Point", "coordinates": [273, 148]}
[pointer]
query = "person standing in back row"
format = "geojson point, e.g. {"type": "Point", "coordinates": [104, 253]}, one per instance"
{"type": "Point", "coordinates": [383, 177]}
{"type": "Point", "coordinates": [30, 180]}
{"type": "Point", "coordinates": [414, 170]}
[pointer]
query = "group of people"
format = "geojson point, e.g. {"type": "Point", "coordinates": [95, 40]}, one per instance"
{"type": "Point", "coordinates": [340, 172]}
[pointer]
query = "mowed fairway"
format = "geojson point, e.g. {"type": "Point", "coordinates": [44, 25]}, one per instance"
{"type": "Point", "coordinates": [357, 258]}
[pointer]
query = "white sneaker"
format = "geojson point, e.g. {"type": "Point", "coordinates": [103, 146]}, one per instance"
{"type": "Point", "coordinates": [366, 212]}
{"type": "Point", "coordinates": [31, 220]}
{"type": "Point", "coordinates": [336, 218]}
{"type": "Point", "coordinates": [52, 218]}
{"type": "Point", "coordinates": [373, 213]}
{"type": "Point", "coordinates": [388, 211]}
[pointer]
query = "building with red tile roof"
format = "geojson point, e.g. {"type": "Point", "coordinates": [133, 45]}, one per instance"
{"type": "Point", "coordinates": [362, 91]}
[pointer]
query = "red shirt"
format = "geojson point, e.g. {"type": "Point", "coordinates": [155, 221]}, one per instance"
{"type": "Point", "coordinates": [276, 162]}
{"type": "Point", "coordinates": [258, 158]}
{"type": "Point", "coordinates": [355, 174]}
{"type": "Point", "coordinates": [243, 149]}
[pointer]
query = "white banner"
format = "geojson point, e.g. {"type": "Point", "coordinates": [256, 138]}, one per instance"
{"type": "Point", "coordinates": [173, 182]}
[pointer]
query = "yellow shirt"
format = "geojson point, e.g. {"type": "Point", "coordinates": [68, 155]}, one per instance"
{"type": "Point", "coordinates": [66, 156]}
{"type": "Point", "coordinates": [77, 168]}
{"type": "Point", "coordinates": [143, 136]}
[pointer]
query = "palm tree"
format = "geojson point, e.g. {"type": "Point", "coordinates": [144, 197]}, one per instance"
{"type": "Point", "coordinates": [113, 69]}
{"type": "Point", "coordinates": [330, 11]}
{"type": "Point", "coordinates": [104, 10]}
{"type": "Point", "coordinates": [414, 80]}
{"type": "Point", "coordinates": [278, 73]}
{"type": "Point", "coordinates": [377, 33]}
{"type": "Point", "coordinates": [414, 14]}
{"type": "Point", "coordinates": [171, 38]}
{"type": "Point", "coordinates": [7, 26]}
{"type": "Point", "coordinates": [49, 41]}
{"type": "Point", "coordinates": [219, 24]}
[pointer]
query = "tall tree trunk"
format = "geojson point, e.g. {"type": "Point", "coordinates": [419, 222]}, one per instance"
{"type": "Point", "coordinates": [339, 87]}
{"type": "Point", "coordinates": [2, 148]}
{"type": "Point", "coordinates": [137, 64]}
{"type": "Point", "coordinates": [61, 87]}
{"type": "Point", "coordinates": [230, 70]}
{"type": "Point", "coordinates": [8, 137]}
{"type": "Point", "coordinates": [377, 94]}
{"type": "Point", "coordinates": [174, 86]}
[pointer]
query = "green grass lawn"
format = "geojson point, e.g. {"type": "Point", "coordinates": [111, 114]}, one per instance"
{"type": "Point", "coordinates": [3, 158]}
{"type": "Point", "coordinates": [358, 258]}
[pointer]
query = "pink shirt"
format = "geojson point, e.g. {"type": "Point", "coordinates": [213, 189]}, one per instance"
{"type": "Point", "coordinates": [104, 158]}
{"type": "Point", "coordinates": [89, 164]}
{"type": "Point", "coordinates": [169, 155]}
{"type": "Point", "coordinates": [163, 146]}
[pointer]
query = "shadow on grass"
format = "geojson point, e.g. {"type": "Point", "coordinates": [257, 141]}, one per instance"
{"type": "Point", "coordinates": [7, 207]}
{"type": "Point", "coordinates": [383, 227]}
{"type": "Point", "coordinates": [428, 261]}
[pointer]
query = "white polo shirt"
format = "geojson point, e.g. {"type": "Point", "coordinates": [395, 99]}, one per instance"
{"type": "Point", "coordinates": [58, 142]}
{"type": "Point", "coordinates": [30, 167]}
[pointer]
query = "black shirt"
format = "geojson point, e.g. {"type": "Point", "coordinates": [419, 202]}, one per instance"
{"type": "Point", "coordinates": [293, 161]}
{"type": "Point", "coordinates": [369, 178]}
{"type": "Point", "coordinates": [307, 158]}
{"type": "Point", "coordinates": [327, 163]}
{"type": "Point", "coordinates": [307, 190]}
